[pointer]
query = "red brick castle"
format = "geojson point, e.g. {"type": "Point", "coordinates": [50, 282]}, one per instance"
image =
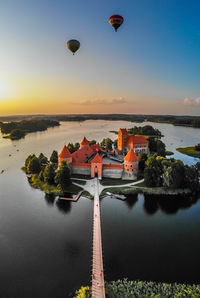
{"type": "Point", "coordinates": [94, 161]}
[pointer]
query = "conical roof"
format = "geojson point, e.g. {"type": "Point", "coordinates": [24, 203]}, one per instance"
{"type": "Point", "coordinates": [65, 152]}
{"type": "Point", "coordinates": [84, 141]}
{"type": "Point", "coordinates": [97, 159]}
{"type": "Point", "coordinates": [131, 156]}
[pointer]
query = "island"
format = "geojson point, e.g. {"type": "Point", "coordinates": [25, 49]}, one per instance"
{"type": "Point", "coordinates": [18, 130]}
{"type": "Point", "coordinates": [118, 164]}
{"type": "Point", "coordinates": [193, 151]}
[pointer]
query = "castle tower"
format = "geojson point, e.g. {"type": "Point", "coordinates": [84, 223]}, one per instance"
{"type": "Point", "coordinates": [84, 143]}
{"type": "Point", "coordinates": [64, 155]}
{"type": "Point", "coordinates": [122, 139]}
{"type": "Point", "coordinates": [131, 163]}
{"type": "Point", "coordinates": [96, 166]}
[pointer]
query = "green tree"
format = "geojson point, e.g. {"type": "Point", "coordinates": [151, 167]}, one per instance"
{"type": "Point", "coordinates": [71, 148]}
{"type": "Point", "coordinates": [33, 166]}
{"type": "Point", "coordinates": [54, 157]}
{"type": "Point", "coordinates": [173, 173]}
{"type": "Point", "coordinates": [49, 174]}
{"type": "Point", "coordinates": [115, 144]}
{"type": "Point", "coordinates": [41, 176]}
{"type": "Point", "coordinates": [153, 171]}
{"type": "Point", "coordinates": [108, 144]}
{"type": "Point", "coordinates": [160, 148]}
{"type": "Point", "coordinates": [76, 146]}
{"type": "Point", "coordinates": [142, 159]}
{"type": "Point", "coordinates": [93, 142]}
{"type": "Point", "coordinates": [63, 175]}
{"type": "Point", "coordinates": [43, 160]}
{"type": "Point", "coordinates": [191, 178]}
{"type": "Point", "coordinates": [103, 144]}
{"type": "Point", "coordinates": [84, 292]}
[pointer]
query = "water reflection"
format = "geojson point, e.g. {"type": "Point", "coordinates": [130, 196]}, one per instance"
{"type": "Point", "coordinates": [169, 205]}
{"type": "Point", "coordinates": [49, 199]}
{"type": "Point", "coordinates": [63, 206]}
{"type": "Point", "coordinates": [131, 200]}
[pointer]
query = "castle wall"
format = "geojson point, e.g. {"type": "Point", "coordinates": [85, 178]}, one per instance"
{"type": "Point", "coordinates": [112, 171]}
{"type": "Point", "coordinates": [81, 168]}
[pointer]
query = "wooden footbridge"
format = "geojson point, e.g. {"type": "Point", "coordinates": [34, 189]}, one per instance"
{"type": "Point", "coordinates": [98, 288]}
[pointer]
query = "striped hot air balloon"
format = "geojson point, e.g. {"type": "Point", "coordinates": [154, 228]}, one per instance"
{"type": "Point", "coordinates": [73, 45]}
{"type": "Point", "coordinates": [116, 21]}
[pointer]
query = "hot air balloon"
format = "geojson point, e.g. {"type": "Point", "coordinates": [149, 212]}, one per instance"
{"type": "Point", "coordinates": [73, 45]}
{"type": "Point", "coordinates": [116, 21]}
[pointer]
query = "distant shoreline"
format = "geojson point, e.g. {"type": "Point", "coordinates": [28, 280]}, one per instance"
{"type": "Point", "coordinates": [184, 120]}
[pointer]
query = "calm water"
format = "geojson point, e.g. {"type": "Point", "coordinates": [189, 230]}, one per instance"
{"type": "Point", "coordinates": [45, 247]}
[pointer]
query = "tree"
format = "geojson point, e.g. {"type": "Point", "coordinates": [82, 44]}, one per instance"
{"type": "Point", "coordinates": [191, 178]}
{"type": "Point", "coordinates": [108, 144]}
{"type": "Point", "coordinates": [76, 146]}
{"type": "Point", "coordinates": [142, 159]}
{"type": "Point", "coordinates": [28, 160]}
{"type": "Point", "coordinates": [103, 144]}
{"type": "Point", "coordinates": [43, 160]}
{"type": "Point", "coordinates": [49, 174]}
{"type": "Point", "coordinates": [115, 143]}
{"type": "Point", "coordinates": [173, 173]}
{"type": "Point", "coordinates": [160, 148]}
{"type": "Point", "coordinates": [33, 166]}
{"type": "Point", "coordinates": [93, 142]}
{"type": "Point", "coordinates": [41, 176]}
{"type": "Point", "coordinates": [153, 171]}
{"type": "Point", "coordinates": [54, 157]}
{"type": "Point", "coordinates": [63, 175]}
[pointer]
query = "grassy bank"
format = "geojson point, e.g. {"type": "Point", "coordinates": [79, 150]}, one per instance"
{"type": "Point", "coordinates": [189, 151]}
{"type": "Point", "coordinates": [134, 289]}
{"type": "Point", "coordinates": [140, 188]}
{"type": "Point", "coordinates": [110, 181]}
{"type": "Point", "coordinates": [51, 189]}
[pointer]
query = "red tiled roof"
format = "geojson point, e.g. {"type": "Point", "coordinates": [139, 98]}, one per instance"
{"type": "Point", "coordinates": [131, 156]}
{"type": "Point", "coordinates": [137, 140]}
{"type": "Point", "coordinates": [65, 152]}
{"type": "Point", "coordinates": [84, 141]}
{"type": "Point", "coordinates": [97, 159]}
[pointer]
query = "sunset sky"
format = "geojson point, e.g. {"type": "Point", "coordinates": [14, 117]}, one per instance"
{"type": "Point", "coordinates": [150, 66]}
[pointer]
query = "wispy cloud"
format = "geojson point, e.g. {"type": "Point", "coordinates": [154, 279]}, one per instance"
{"type": "Point", "coordinates": [101, 101]}
{"type": "Point", "coordinates": [191, 102]}
{"type": "Point", "coordinates": [187, 101]}
{"type": "Point", "coordinates": [197, 100]}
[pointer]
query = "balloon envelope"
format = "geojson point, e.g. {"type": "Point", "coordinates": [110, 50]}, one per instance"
{"type": "Point", "coordinates": [116, 21]}
{"type": "Point", "coordinates": [73, 45]}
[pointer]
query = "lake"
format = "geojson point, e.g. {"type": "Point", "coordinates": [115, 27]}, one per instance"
{"type": "Point", "coordinates": [46, 246]}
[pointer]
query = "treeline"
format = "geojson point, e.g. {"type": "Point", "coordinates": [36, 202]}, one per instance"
{"type": "Point", "coordinates": [193, 121]}
{"type": "Point", "coordinates": [126, 288]}
{"type": "Point", "coordinates": [45, 175]}
{"type": "Point", "coordinates": [19, 129]}
{"type": "Point", "coordinates": [159, 171]}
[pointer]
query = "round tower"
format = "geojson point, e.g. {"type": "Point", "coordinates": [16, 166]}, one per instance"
{"type": "Point", "coordinates": [131, 163]}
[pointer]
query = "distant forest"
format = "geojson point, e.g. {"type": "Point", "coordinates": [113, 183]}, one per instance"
{"type": "Point", "coordinates": [192, 121]}
{"type": "Point", "coordinates": [18, 130]}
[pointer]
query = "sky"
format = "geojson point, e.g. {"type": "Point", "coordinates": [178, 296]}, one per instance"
{"type": "Point", "coordinates": [150, 66]}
